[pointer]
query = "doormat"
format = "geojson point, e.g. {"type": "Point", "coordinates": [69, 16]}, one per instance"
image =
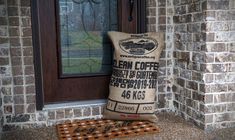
{"type": "Point", "coordinates": [104, 129]}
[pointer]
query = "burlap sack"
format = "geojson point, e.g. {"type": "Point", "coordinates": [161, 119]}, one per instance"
{"type": "Point", "coordinates": [134, 78]}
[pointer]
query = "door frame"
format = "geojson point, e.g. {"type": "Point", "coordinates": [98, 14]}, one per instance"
{"type": "Point", "coordinates": [140, 28]}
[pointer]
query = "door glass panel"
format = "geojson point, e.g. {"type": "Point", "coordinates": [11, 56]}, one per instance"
{"type": "Point", "coordinates": [84, 45]}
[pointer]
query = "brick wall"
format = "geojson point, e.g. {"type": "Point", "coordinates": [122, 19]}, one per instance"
{"type": "Point", "coordinates": [5, 71]}
{"type": "Point", "coordinates": [17, 90]}
{"type": "Point", "coordinates": [196, 74]}
{"type": "Point", "coordinates": [219, 67]}
{"type": "Point", "coordinates": [204, 62]}
{"type": "Point", "coordinates": [158, 18]}
{"type": "Point", "coordinates": [188, 39]}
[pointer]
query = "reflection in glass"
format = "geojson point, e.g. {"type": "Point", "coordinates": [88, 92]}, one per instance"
{"type": "Point", "coordinates": [83, 35]}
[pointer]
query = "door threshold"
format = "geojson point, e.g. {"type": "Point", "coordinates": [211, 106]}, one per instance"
{"type": "Point", "coordinates": [74, 104]}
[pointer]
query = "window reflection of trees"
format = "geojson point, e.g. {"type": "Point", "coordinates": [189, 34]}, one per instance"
{"type": "Point", "coordinates": [87, 37]}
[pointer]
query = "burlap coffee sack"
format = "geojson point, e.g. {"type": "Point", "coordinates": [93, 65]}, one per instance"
{"type": "Point", "coordinates": [133, 82]}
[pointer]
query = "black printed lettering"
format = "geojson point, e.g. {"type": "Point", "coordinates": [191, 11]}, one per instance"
{"type": "Point", "coordinates": [147, 108]}
{"type": "Point", "coordinates": [146, 66]}
{"type": "Point", "coordinates": [122, 64]}
{"type": "Point", "coordinates": [120, 73]}
{"type": "Point", "coordinates": [126, 94]}
{"type": "Point", "coordinates": [138, 95]}
{"type": "Point", "coordinates": [126, 108]}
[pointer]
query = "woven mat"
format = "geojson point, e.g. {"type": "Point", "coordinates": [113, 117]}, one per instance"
{"type": "Point", "coordinates": [104, 129]}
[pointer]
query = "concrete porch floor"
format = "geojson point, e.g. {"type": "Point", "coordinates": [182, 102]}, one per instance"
{"type": "Point", "coordinates": [172, 128]}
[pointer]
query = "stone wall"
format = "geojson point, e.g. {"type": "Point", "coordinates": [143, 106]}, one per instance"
{"type": "Point", "coordinates": [219, 64]}
{"type": "Point", "coordinates": [188, 40]}
{"type": "Point", "coordinates": [204, 62]}
{"type": "Point", "coordinates": [18, 90]}
{"type": "Point", "coordinates": [5, 71]}
{"type": "Point", "coordinates": [159, 20]}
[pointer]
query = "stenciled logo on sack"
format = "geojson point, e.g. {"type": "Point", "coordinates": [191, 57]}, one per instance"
{"type": "Point", "coordinates": [138, 46]}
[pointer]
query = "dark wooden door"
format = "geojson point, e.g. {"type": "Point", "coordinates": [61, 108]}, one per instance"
{"type": "Point", "coordinates": [73, 55]}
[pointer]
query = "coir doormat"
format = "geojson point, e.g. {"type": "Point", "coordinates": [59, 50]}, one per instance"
{"type": "Point", "coordinates": [104, 129]}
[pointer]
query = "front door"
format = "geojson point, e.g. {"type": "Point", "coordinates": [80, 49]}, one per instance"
{"type": "Point", "coordinates": [75, 53]}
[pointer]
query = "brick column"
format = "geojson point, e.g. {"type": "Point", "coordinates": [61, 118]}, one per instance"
{"type": "Point", "coordinates": [204, 37]}
{"type": "Point", "coordinates": [6, 101]}
{"type": "Point", "coordinates": [18, 90]}
{"type": "Point", "coordinates": [219, 67]}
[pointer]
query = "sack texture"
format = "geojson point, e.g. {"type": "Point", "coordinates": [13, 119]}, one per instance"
{"type": "Point", "coordinates": [133, 82]}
